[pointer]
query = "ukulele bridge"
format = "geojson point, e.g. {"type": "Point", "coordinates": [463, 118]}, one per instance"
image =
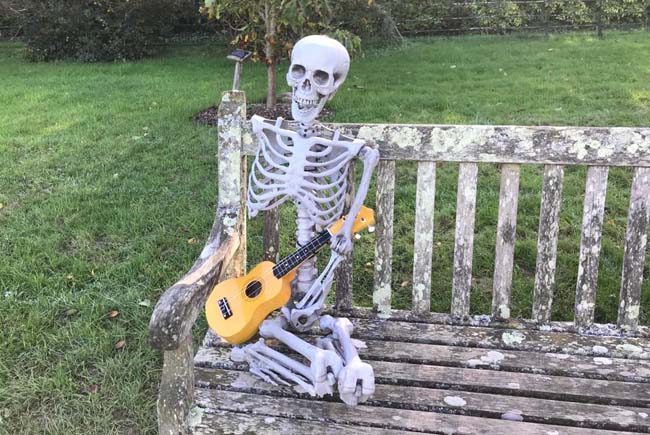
{"type": "Point", "coordinates": [224, 306]}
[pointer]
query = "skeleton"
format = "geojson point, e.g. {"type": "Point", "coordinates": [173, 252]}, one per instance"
{"type": "Point", "coordinates": [308, 164]}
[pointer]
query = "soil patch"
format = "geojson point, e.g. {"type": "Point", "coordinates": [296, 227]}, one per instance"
{"type": "Point", "coordinates": [209, 115]}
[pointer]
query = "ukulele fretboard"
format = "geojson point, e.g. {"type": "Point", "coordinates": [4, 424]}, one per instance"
{"type": "Point", "coordinates": [287, 264]}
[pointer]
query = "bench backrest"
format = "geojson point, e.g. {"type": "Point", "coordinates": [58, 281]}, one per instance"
{"type": "Point", "coordinates": [468, 145]}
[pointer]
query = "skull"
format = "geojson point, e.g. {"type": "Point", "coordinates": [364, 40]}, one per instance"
{"type": "Point", "coordinates": [319, 64]}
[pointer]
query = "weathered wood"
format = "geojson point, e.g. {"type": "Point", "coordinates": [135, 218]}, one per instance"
{"type": "Point", "coordinates": [549, 228]}
{"type": "Point", "coordinates": [343, 274]}
{"type": "Point", "coordinates": [456, 402]}
{"type": "Point", "coordinates": [483, 320]}
{"type": "Point", "coordinates": [237, 266]}
{"type": "Point", "coordinates": [209, 421]}
{"type": "Point", "coordinates": [545, 363]}
{"type": "Point", "coordinates": [271, 235]}
{"type": "Point", "coordinates": [176, 389]}
{"type": "Point", "coordinates": [381, 296]}
{"type": "Point", "coordinates": [387, 418]}
{"type": "Point", "coordinates": [636, 239]}
{"type": "Point", "coordinates": [505, 247]}
{"type": "Point", "coordinates": [464, 239]}
{"type": "Point", "coordinates": [592, 229]}
{"type": "Point", "coordinates": [423, 241]}
{"type": "Point", "coordinates": [610, 146]}
{"type": "Point", "coordinates": [497, 382]}
{"type": "Point", "coordinates": [178, 308]}
{"type": "Point", "coordinates": [497, 338]}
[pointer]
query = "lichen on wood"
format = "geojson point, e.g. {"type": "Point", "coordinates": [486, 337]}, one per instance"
{"type": "Point", "coordinates": [381, 296]}
{"type": "Point", "coordinates": [464, 239]}
{"type": "Point", "coordinates": [423, 243]}
{"type": "Point", "coordinates": [505, 246]}
{"type": "Point", "coordinates": [607, 146]}
{"type": "Point", "coordinates": [549, 228]}
{"type": "Point", "coordinates": [636, 239]}
{"type": "Point", "coordinates": [592, 231]}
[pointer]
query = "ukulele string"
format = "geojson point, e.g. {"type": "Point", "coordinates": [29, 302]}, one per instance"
{"type": "Point", "coordinates": [315, 241]}
{"type": "Point", "coordinates": [316, 248]}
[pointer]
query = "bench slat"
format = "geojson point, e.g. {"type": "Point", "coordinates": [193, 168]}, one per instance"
{"type": "Point", "coordinates": [547, 363]}
{"type": "Point", "coordinates": [435, 400]}
{"type": "Point", "coordinates": [423, 240]}
{"type": "Point", "coordinates": [364, 415]}
{"type": "Point", "coordinates": [343, 274]}
{"type": "Point", "coordinates": [216, 422]}
{"type": "Point", "coordinates": [592, 229]}
{"type": "Point", "coordinates": [381, 296]}
{"type": "Point", "coordinates": [498, 338]}
{"type": "Point", "coordinates": [492, 382]}
{"type": "Point", "coordinates": [505, 245]}
{"type": "Point", "coordinates": [636, 239]}
{"type": "Point", "coordinates": [271, 235]}
{"type": "Point", "coordinates": [464, 239]}
{"type": "Point", "coordinates": [609, 146]}
{"type": "Point", "coordinates": [549, 228]}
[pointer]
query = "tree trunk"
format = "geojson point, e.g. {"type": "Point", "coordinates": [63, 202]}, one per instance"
{"type": "Point", "coordinates": [271, 97]}
{"type": "Point", "coordinates": [270, 54]}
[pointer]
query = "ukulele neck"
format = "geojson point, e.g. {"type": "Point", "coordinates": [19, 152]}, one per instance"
{"type": "Point", "coordinates": [306, 251]}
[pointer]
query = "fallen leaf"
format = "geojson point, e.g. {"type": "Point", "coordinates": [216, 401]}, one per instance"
{"type": "Point", "coordinates": [113, 314]}
{"type": "Point", "coordinates": [191, 241]}
{"type": "Point", "coordinates": [145, 303]}
{"type": "Point", "coordinates": [70, 312]}
{"type": "Point", "coordinates": [92, 389]}
{"type": "Point", "coordinates": [2, 206]}
{"type": "Point", "coordinates": [405, 283]}
{"type": "Point", "coordinates": [120, 345]}
{"type": "Point", "coordinates": [70, 277]}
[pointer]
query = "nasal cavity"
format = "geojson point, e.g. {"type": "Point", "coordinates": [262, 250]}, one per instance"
{"type": "Point", "coordinates": [306, 85]}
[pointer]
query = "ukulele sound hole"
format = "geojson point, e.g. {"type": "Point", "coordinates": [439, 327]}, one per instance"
{"type": "Point", "coordinates": [253, 289]}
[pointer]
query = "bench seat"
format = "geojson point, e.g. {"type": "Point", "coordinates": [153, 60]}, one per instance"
{"type": "Point", "coordinates": [477, 378]}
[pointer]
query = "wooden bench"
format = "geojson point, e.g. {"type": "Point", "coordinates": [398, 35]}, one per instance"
{"type": "Point", "coordinates": [436, 372]}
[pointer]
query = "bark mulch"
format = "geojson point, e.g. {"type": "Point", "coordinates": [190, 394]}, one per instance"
{"type": "Point", "coordinates": [209, 116]}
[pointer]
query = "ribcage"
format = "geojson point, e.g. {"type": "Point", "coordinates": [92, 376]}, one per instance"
{"type": "Point", "coordinates": [310, 171]}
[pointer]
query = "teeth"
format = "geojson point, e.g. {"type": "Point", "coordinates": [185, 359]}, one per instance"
{"type": "Point", "coordinates": [306, 101]}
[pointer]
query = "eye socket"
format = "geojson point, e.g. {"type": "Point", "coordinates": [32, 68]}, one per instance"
{"type": "Point", "coordinates": [297, 71]}
{"type": "Point", "coordinates": [321, 78]}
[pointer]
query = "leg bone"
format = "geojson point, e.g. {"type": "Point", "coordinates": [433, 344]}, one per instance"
{"type": "Point", "coordinates": [324, 364]}
{"type": "Point", "coordinates": [356, 381]}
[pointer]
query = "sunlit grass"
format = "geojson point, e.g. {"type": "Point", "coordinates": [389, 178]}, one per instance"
{"type": "Point", "coordinates": [104, 179]}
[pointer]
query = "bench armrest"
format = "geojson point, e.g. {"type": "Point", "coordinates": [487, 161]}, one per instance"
{"type": "Point", "coordinates": [180, 305]}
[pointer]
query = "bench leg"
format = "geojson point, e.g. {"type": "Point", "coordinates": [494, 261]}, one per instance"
{"type": "Point", "coordinates": [176, 390]}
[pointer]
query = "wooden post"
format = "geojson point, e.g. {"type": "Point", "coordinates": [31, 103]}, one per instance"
{"type": "Point", "coordinates": [505, 247]}
{"type": "Point", "coordinates": [592, 231]}
{"type": "Point", "coordinates": [599, 18]}
{"type": "Point", "coordinates": [343, 274]}
{"type": "Point", "coordinates": [271, 235]}
{"type": "Point", "coordinates": [464, 239]}
{"type": "Point", "coordinates": [545, 18]}
{"type": "Point", "coordinates": [423, 245]}
{"type": "Point", "coordinates": [381, 296]}
{"type": "Point", "coordinates": [549, 228]}
{"type": "Point", "coordinates": [636, 239]}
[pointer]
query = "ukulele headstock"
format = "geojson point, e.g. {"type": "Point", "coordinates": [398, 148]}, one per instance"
{"type": "Point", "coordinates": [365, 219]}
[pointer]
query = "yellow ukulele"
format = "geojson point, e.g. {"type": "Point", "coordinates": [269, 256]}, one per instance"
{"type": "Point", "coordinates": [236, 307]}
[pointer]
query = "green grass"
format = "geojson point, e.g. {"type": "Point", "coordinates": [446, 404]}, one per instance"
{"type": "Point", "coordinates": [104, 180]}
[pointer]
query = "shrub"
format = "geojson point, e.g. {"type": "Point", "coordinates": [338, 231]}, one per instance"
{"type": "Point", "coordinates": [98, 30]}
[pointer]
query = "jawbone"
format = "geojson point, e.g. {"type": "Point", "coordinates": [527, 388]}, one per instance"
{"type": "Point", "coordinates": [304, 111]}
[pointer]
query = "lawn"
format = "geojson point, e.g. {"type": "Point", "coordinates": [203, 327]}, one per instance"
{"type": "Point", "coordinates": [107, 191]}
